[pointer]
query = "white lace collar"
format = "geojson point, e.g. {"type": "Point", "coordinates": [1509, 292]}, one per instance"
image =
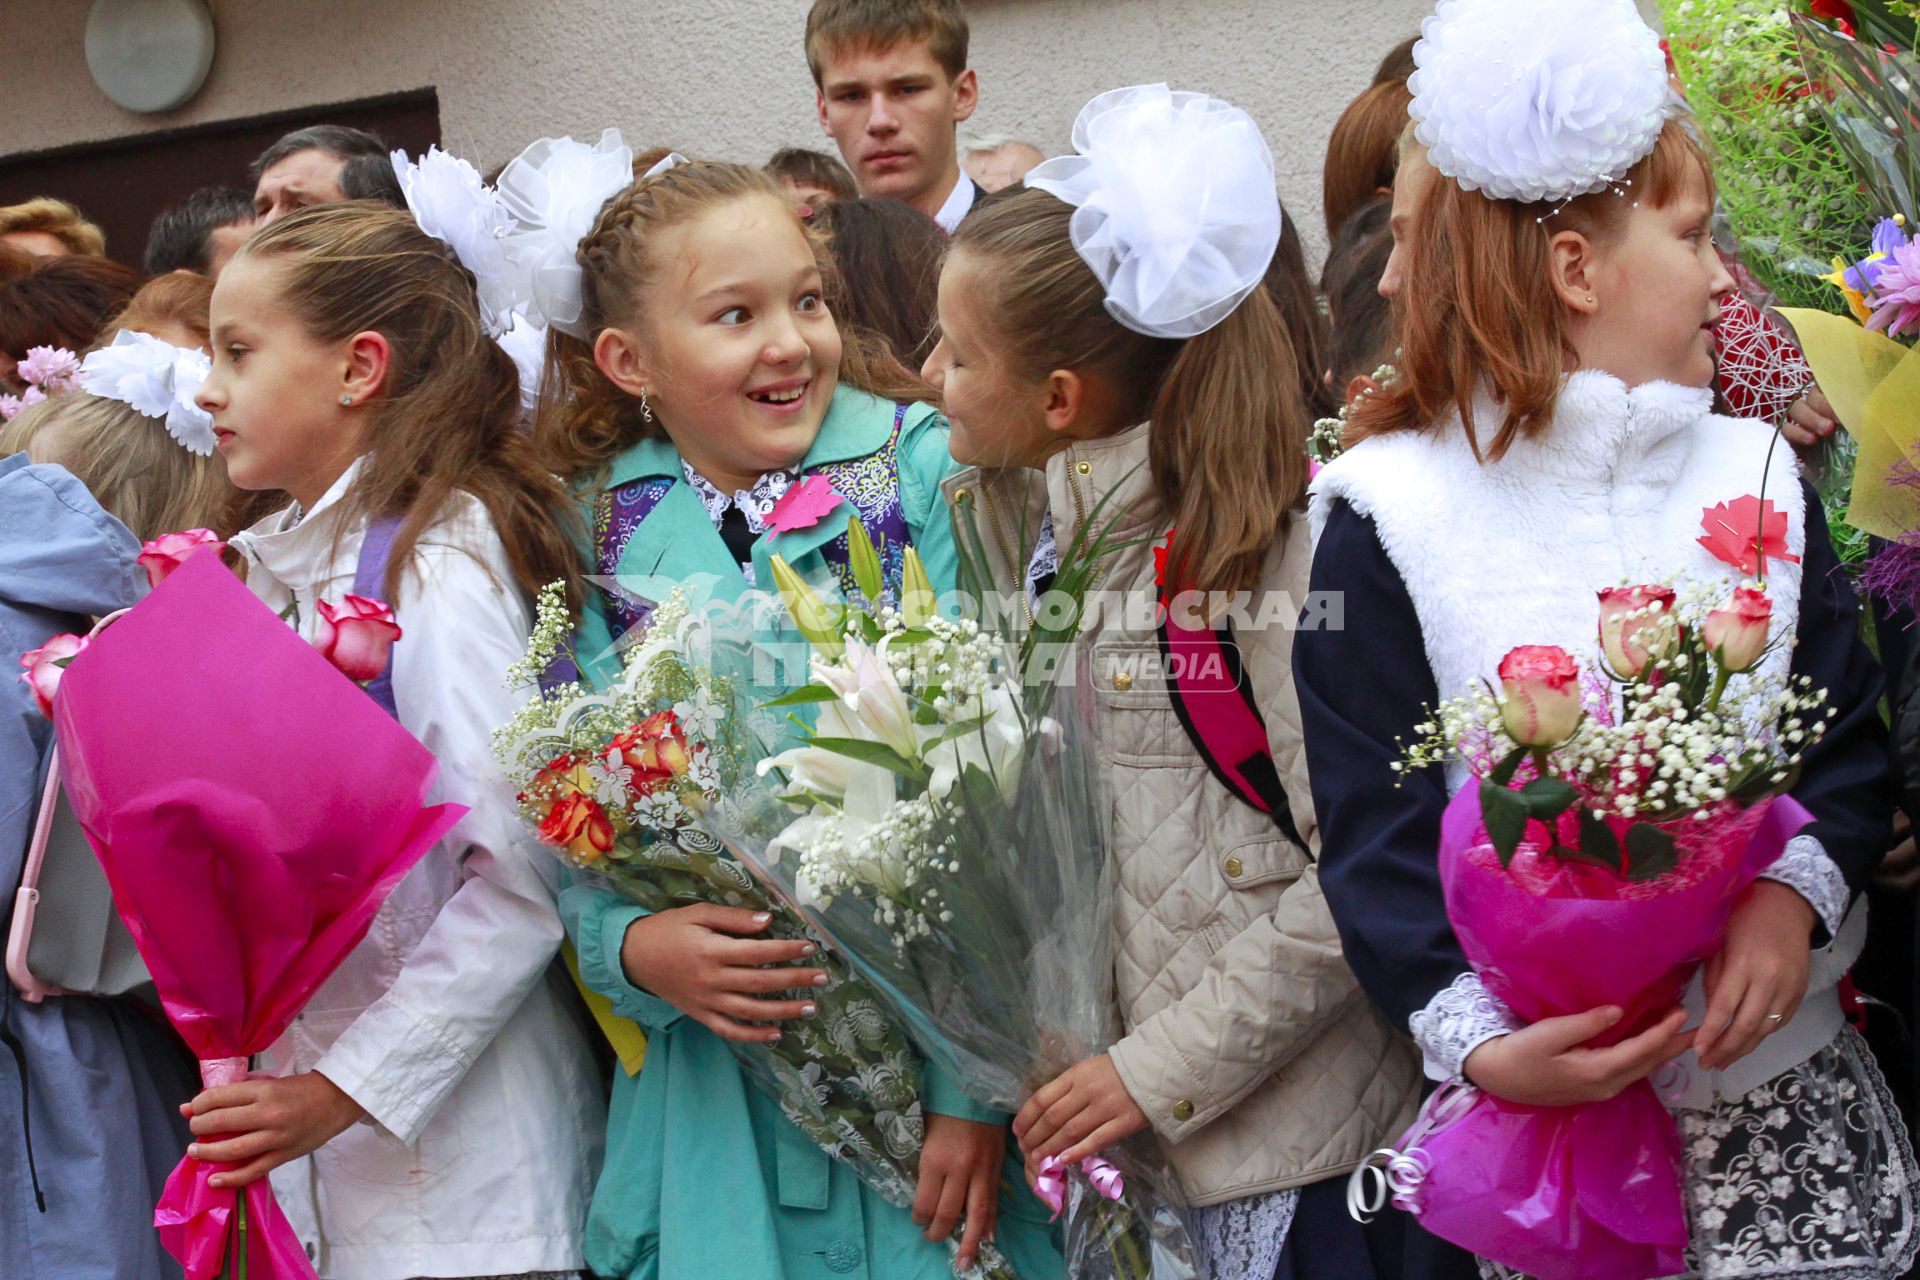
{"type": "Point", "coordinates": [755, 503]}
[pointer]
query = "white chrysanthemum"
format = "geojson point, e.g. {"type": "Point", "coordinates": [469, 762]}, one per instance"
{"type": "Point", "coordinates": [157, 379]}
{"type": "Point", "coordinates": [555, 190]}
{"type": "Point", "coordinates": [1175, 207]}
{"type": "Point", "coordinates": [1537, 99]}
{"type": "Point", "coordinates": [454, 205]}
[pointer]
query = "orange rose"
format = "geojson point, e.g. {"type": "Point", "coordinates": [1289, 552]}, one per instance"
{"type": "Point", "coordinates": [579, 825]}
{"type": "Point", "coordinates": [655, 750]}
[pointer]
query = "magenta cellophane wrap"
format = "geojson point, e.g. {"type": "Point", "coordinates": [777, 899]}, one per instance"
{"type": "Point", "coordinates": [1589, 1192]}
{"type": "Point", "coordinates": [252, 808]}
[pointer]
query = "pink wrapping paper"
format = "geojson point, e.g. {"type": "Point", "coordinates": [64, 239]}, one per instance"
{"type": "Point", "coordinates": [251, 808]}
{"type": "Point", "coordinates": [1590, 1192]}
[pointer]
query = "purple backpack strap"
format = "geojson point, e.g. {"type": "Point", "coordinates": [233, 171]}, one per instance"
{"type": "Point", "coordinates": [1213, 697]}
{"type": "Point", "coordinates": [370, 581]}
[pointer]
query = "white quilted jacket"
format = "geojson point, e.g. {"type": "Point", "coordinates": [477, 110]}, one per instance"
{"type": "Point", "coordinates": [1248, 1042]}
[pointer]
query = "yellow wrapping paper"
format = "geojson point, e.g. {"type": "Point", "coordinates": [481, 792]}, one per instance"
{"type": "Point", "coordinates": [1873, 383]}
{"type": "Point", "coordinates": [628, 1040]}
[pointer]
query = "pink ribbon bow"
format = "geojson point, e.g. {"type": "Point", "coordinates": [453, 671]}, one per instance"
{"type": "Point", "coordinates": [1051, 1185]}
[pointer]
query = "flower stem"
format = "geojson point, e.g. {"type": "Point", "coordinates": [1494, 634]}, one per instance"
{"type": "Point", "coordinates": [1720, 678]}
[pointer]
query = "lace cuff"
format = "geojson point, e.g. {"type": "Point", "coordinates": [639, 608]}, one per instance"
{"type": "Point", "coordinates": [1462, 1017]}
{"type": "Point", "coordinates": [1805, 868]}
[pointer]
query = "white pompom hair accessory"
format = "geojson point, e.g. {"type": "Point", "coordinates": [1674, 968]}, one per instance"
{"type": "Point", "coordinates": [1537, 100]}
{"type": "Point", "coordinates": [158, 379]}
{"type": "Point", "coordinates": [555, 190]}
{"type": "Point", "coordinates": [1175, 207]}
{"type": "Point", "coordinates": [451, 202]}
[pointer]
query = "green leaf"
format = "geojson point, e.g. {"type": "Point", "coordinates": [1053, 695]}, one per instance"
{"type": "Point", "coordinates": [803, 696]}
{"type": "Point", "coordinates": [1505, 814]}
{"type": "Point", "coordinates": [1597, 840]}
{"type": "Point", "coordinates": [1651, 852]}
{"type": "Point", "coordinates": [865, 562]}
{"type": "Point", "coordinates": [959, 729]}
{"type": "Point", "coordinates": [869, 752]}
{"type": "Point", "coordinates": [1548, 798]}
{"type": "Point", "coordinates": [1503, 772]}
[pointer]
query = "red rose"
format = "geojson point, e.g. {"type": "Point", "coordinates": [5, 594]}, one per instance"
{"type": "Point", "coordinates": [170, 550]}
{"type": "Point", "coordinates": [356, 635]}
{"type": "Point", "coordinates": [1836, 10]}
{"type": "Point", "coordinates": [579, 825]}
{"type": "Point", "coordinates": [656, 750]}
{"type": "Point", "coordinates": [45, 665]}
{"type": "Point", "coordinates": [1737, 634]}
{"type": "Point", "coordinates": [1540, 705]}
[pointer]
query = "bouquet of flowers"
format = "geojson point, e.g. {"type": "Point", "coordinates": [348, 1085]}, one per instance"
{"type": "Point", "coordinates": [1617, 813]}
{"type": "Point", "coordinates": [615, 783]}
{"type": "Point", "coordinates": [1784, 186]}
{"type": "Point", "coordinates": [940, 824]}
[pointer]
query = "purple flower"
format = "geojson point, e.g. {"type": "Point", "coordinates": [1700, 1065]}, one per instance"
{"type": "Point", "coordinates": [1896, 292]}
{"type": "Point", "coordinates": [51, 368]}
{"type": "Point", "coordinates": [1888, 236]}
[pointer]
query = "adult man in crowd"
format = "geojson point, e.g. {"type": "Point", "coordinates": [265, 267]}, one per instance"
{"type": "Point", "coordinates": [49, 228]}
{"type": "Point", "coordinates": [995, 161]}
{"type": "Point", "coordinates": [200, 233]}
{"type": "Point", "coordinates": [319, 165]}
{"type": "Point", "coordinates": [892, 87]}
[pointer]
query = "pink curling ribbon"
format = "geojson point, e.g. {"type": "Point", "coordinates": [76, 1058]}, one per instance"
{"type": "Point", "coordinates": [1051, 1185]}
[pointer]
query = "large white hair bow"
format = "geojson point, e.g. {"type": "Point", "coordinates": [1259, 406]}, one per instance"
{"type": "Point", "coordinates": [1537, 99]}
{"type": "Point", "coordinates": [452, 204]}
{"type": "Point", "coordinates": [1175, 206]}
{"type": "Point", "coordinates": [156, 378]}
{"type": "Point", "coordinates": [555, 190]}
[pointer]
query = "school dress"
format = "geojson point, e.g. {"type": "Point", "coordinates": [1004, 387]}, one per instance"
{"type": "Point", "coordinates": [90, 1088]}
{"type": "Point", "coordinates": [450, 1023]}
{"type": "Point", "coordinates": [1795, 1162]}
{"type": "Point", "coordinates": [704, 1175]}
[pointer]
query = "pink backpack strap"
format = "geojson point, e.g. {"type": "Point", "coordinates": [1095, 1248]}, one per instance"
{"type": "Point", "coordinates": [1212, 695]}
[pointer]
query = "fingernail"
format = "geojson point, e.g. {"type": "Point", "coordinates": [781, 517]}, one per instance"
{"type": "Point", "coordinates": [811, 950]}
{"type": "Point", "coordinates": [193, 1149]}
{"type": "Point", "coordinates": [808, 1010]}
{"type": "Point", "coordinates": [216, 1181]}
{"type": "Point", "coordinates": [821, 979]}
{"type": "Point", "coordinates": [762, 917]}
{"type": "Point", "coordinates": [773, 1037]}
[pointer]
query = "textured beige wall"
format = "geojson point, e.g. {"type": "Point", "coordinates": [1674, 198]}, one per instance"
{"type": "Point", "coordinates": [726, 78]}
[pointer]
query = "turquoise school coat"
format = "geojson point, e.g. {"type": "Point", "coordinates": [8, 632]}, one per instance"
{"type": "Point", "coordinates": [703, 1175]}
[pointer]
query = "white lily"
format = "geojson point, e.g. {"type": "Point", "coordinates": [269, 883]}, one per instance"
{"type": "Point", "coordinates": [877, 706]}
{"type": "Point", "coordinates": [998, 747]}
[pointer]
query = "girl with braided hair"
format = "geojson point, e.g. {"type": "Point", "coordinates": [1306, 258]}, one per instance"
{"type": "Point", "coordinates": [705, 376]}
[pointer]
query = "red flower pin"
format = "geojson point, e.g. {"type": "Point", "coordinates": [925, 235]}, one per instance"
{"type": "Point", "coordinates": [1746, 533]}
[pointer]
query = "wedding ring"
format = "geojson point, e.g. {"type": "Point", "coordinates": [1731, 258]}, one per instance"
{"type": "Point", "coordinates": [1776, 1017]}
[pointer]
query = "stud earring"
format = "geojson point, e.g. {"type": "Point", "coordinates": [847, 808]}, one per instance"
{"type": "Point", "coordinates": [1591, 300]}
{"type": "Point", "coordinates": [646, 410]}
{"type": "Point", "coordinates": [346, 399]}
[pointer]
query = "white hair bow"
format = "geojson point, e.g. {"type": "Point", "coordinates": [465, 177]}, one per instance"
{"type": "Point", "coordinates": [1534, 100]}
{"type": "Point", "coordinates": [156, 378]}
{"type": "Point", "coordinates": [554, 191]}
{"type": "Point", "coordinates": [452, 204]}
{"type": "Point", "coordinates": [1175, 205]}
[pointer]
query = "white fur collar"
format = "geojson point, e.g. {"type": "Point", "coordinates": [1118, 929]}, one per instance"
{"type": "Point", "coordinates": [1513, 552]}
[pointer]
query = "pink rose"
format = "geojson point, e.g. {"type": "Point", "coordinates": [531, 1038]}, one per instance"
{"type": "Point", "coordinates": [1541, 702]}
{"type": "Point", "coordinates": [355, 636]}
{"type": "Point", "coordinates": [1636, 627]}
{"type": "Point", "coordinates": [49, 368]}
{"type": "Point", "coordinates": [170, 550]}
{"type": "Point", "coordinates": [45, 665]}
{"type": "Point", "coordinates": [1737, 634]}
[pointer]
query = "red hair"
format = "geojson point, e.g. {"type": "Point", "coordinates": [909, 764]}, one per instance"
{"type": "Point", "coordinates": [1478, 306]}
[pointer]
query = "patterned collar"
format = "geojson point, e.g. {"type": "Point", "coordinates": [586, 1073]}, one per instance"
{"type": "Point", "coordinates": [755, 504]}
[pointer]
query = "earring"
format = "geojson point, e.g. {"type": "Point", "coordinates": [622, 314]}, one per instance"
{"type": "Point", "coordinates": [646, 410]}
{"type": "Point", "coordinates": [1591, 300]}
{"type": "Point", "coordinates": [346, 399]}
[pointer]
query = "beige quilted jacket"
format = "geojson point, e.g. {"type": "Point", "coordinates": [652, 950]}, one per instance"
{"type": "Point", "coordinates": [1248, 1042]}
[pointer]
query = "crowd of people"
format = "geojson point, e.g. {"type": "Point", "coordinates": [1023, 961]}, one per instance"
{"type": "Point", "coordinates": [1522, 363]}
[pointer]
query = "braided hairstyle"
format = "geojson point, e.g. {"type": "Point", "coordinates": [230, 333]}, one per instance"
{"type": "Point", "coordinates": [446, 420]}
{"type": "Point", "coordinates": [584, 420]}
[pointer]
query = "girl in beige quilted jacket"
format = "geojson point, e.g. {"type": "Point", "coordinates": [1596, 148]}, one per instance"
{"type": "Point", "coordinates": [1078, 397]}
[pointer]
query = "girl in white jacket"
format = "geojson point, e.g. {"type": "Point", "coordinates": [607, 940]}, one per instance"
{"type": "Point", "coordinates": [434, 1111]}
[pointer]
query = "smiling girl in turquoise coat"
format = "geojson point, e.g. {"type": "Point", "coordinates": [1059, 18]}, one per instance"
{"type": "Point", "coordinates": [710, 379]}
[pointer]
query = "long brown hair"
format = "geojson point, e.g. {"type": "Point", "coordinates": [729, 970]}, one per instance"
{"type": "Point", "coordinates": [1362, 153]}
{"type": "Point", "coordinates": [584, 419]}
{"type": "Point", "coordinates": [1227, 449]}
{"type": "Point", "coordinates": [1477, 306]}
{"type": "Point", "coordinates": [446, 419]}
